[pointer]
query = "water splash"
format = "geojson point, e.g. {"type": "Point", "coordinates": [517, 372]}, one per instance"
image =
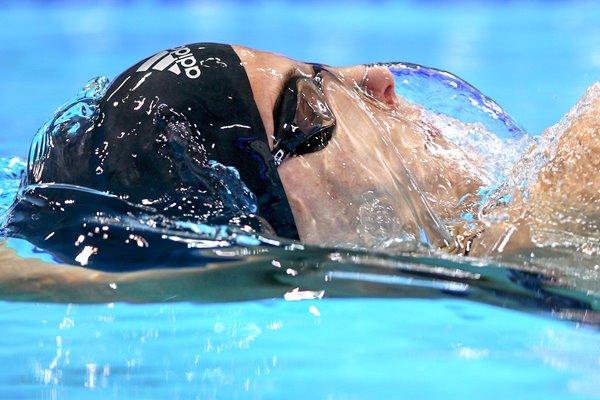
{"type": "Point", "coordinates": [543, 149]}
{"type": "Point", "coordinates": [444, 93]}
{"type": "Point", "coordinates": [466, 117]}
{"type": "Point", "coordinates": [71, 119]}
{"type": "Point", "coordinates": [87, 227]}
{"type": "Point", "coordinates": [553, 190]}
{"type": "Point", "coordinates": [500, 154]}
{"type": "Point", "coordinates": [11, 170]}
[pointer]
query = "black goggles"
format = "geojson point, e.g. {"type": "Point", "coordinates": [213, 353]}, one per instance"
{"type": "Point", "coordinates": [304, 123]}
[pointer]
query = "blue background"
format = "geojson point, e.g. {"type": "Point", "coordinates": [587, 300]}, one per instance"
{"type": "Point", "coordinates": [534, 58]}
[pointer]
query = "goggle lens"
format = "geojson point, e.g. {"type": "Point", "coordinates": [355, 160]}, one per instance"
{"type": "Point", "coordinates": [312, 125]}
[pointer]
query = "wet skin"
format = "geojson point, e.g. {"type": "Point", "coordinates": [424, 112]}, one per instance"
{"type": "Point", "coordinates": [381, 174]}
{"type": "Point", "coordinates": [386, 155]}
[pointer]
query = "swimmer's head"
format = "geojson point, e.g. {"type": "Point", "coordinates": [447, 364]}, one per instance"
{"type": "Point", "coordinates": [154, 135]}
{"type": "Point", "coordinates": [171, 132]}
{"type": "Point", "coordinates": [319, 150]}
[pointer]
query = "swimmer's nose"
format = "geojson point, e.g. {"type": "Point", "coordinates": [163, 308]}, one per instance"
{"type": "Point", "coordinates": [379, 83]}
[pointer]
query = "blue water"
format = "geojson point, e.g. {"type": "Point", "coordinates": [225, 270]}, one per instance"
{"type": "Point", "coordinates": [336, 349]}
{"type": "Point", "coordinates": [533, 58]}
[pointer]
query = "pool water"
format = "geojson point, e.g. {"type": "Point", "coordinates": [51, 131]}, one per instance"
{"type": "Point", "coordinates": [535, 58]}
{"type": "Point", "coordinates": [335, 349]}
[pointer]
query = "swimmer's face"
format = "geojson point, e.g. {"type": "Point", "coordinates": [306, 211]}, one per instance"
{"type": "Point", "coordinates": [366, 181]}
{"type": "Point", "coordinates": [268, 73]}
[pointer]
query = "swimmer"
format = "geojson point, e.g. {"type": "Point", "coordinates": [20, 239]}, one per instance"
{"type": "Point", "coordinates": [325, 155]}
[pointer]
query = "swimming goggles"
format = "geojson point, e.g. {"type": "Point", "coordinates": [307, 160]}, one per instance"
{"type": "Point", "coordinates": [304, 123]}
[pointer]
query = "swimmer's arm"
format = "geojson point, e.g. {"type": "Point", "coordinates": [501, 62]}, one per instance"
{"type": "Point", "coordinates": [28, 279]}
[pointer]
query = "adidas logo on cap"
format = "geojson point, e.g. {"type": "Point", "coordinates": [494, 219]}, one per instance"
{"type": "Point", "coordinates": [173, 61]}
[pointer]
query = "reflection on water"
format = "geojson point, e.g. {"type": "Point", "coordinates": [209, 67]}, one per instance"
{"type": "Point", "coordinates": [295, 272]}
{"type": "Point", "coordinates": [269, 349]}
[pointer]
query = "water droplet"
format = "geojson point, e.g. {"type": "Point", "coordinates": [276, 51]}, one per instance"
{"type": "Point", "coordinates": [99, 170]}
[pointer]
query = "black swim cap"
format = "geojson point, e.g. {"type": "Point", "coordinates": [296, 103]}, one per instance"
{"type": "Point", "coordinates": [159, 125]}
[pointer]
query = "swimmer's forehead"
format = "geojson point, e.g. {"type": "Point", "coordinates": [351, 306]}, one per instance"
{"type": "Point", "coordinates": [279, 68]}
{"type": "Point", "coordinates": [252, 58]}
{"type": "Point", "coordinates": [268, 72]}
